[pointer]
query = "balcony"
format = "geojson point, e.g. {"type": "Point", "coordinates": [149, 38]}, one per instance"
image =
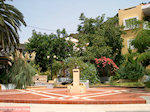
{"type": "Point", "coordinates": [146, 9]}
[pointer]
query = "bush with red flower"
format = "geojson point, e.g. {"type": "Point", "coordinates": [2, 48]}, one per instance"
{"type": "Point", "coordinates": [105, 66]}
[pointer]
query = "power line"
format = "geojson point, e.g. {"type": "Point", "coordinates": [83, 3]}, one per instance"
{"type": "Point", "coordinates": [45, 29]}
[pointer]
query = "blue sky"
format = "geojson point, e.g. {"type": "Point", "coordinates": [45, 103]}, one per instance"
{"type": "Point", "coordinates": [58, 14]}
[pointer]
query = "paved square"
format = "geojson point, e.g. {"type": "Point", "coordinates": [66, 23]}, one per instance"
{"type": "Point", "coordinates": [105, 95]}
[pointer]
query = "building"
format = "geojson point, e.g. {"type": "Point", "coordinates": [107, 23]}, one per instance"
{"type": "Point", "coordinates": [127, 17]}
{"type": "Point", "coordinates": [75, 41]}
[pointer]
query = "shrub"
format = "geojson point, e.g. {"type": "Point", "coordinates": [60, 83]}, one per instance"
{"type": "Point", "coordinates": [3, 76]}
{"type": "Point", "coordinates": [21, 74]}
{"type": "Point", "coordinates": [132, 71]}
{"type": "Point", "coordinates": [147, 84]}
{"type": "Point", "coordinates": [72, 62]}
{"type": "Point", "coordinates": [116, 76]}
{"type": "Point", "coordinates": [89, 73]}
{"type": "Point", "coordinates": [148, 72]}
{"type": "Point", "coordinates": [57, 67]}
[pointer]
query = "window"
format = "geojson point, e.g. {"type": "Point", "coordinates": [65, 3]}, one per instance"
{"type": "Point", "coordinates": [129, 44]}
{"type": "Point", "coordinates": [130, 23]}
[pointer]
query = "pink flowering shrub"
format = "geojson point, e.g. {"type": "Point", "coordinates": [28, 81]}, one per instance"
{"type": "Point", "coordinates": [106, 65]}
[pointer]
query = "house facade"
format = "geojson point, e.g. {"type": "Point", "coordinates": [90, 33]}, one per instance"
{"type": "Point", "coordinates": [127, 18]}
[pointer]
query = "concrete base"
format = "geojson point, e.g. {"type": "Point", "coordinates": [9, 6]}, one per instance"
{"type": "Point", "coordinates": [77, 89]}
{"type": "Point", "coordinates": [7, 86]}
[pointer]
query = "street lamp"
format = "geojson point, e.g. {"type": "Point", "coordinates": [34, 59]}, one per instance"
{"type": "Point", "coordinates": [54, 57]}
{"type": "Point", "coordinates": [48, 57]}
{"type": "Point", "coordinates": [51, 60]}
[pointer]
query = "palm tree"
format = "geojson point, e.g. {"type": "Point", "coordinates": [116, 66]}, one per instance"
{"type": "Point", "coordinates": [10, 21]}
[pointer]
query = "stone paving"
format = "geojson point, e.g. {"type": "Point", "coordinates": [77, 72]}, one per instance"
{"type": "Point", "coordinates": [107, 95]}
{"type": "Point", "coordinates": [76, 107]}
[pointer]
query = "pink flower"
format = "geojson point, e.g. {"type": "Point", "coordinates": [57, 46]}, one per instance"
{"type": "Point", "coordinates": [106, 61]}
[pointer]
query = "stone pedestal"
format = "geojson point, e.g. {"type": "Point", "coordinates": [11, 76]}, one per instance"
{"type": "Point", "coordinates": [76, 87]}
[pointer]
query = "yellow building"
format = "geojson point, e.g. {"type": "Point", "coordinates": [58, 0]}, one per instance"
{"type": "Point", "coordinates": [128, 16]}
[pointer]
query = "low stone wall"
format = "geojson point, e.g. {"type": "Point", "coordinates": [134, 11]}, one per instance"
{"type": "Point", "coordinates": [86, 82]}
{"type": "Point", "coordinates": [47, 85]}
{"type": "Point", "coordinates": [40, 78]}
{"type": "Point", "coordinates": [7, 86]}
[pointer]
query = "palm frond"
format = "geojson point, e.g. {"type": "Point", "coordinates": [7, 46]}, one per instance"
{"type": "Point", "coordinates": [144, 56]}
{"type": "Point", "coordinates": [10, 21]}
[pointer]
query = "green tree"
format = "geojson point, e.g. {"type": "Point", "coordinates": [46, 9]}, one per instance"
{"type": "Point", "coordinates": [10, 21]}
{"type": "Point", "coordinates": [73, 62]}
{"type": "Point", "coordinates": [99, 38]}
{"type": "Point", "coordinates": [41, 44]}
{"type": "Point", "coordinates": [144, 58]}
{"type": "Point", "coordinates": [57, 68]}
{"type": "Point", "coordinates": [49, 45]}
{"type": "Point", "coordinates": [113, 33]}
{"type": "Point", "coordinates": [142, 44]}
{"type": "Point", "coordinates": [142, 41]}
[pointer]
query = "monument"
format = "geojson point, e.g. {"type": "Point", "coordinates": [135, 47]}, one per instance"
{"type": "Point", "coordinates": [76, 87]}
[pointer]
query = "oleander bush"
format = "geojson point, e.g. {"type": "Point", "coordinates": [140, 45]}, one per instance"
{"type": "Point", "coordinates": [105, 66]}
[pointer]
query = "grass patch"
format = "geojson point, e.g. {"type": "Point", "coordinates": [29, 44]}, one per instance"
{"type": "Point", "coordinates": [124, 84]}
{"type": "Point", "coordinates": [128, 84]}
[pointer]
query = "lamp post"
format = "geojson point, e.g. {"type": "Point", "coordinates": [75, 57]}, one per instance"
{"type": "Point", "coordinates": [51, 65]}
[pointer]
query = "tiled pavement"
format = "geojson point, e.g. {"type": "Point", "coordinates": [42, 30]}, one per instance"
{"type": "Point", "coordinates": [76, 107]}
{"type": "Point", "coordinates": [107, 95]}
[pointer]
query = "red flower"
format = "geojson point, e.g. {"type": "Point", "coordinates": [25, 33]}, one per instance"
{"type": "Point", "coordinates": [103, 62]}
